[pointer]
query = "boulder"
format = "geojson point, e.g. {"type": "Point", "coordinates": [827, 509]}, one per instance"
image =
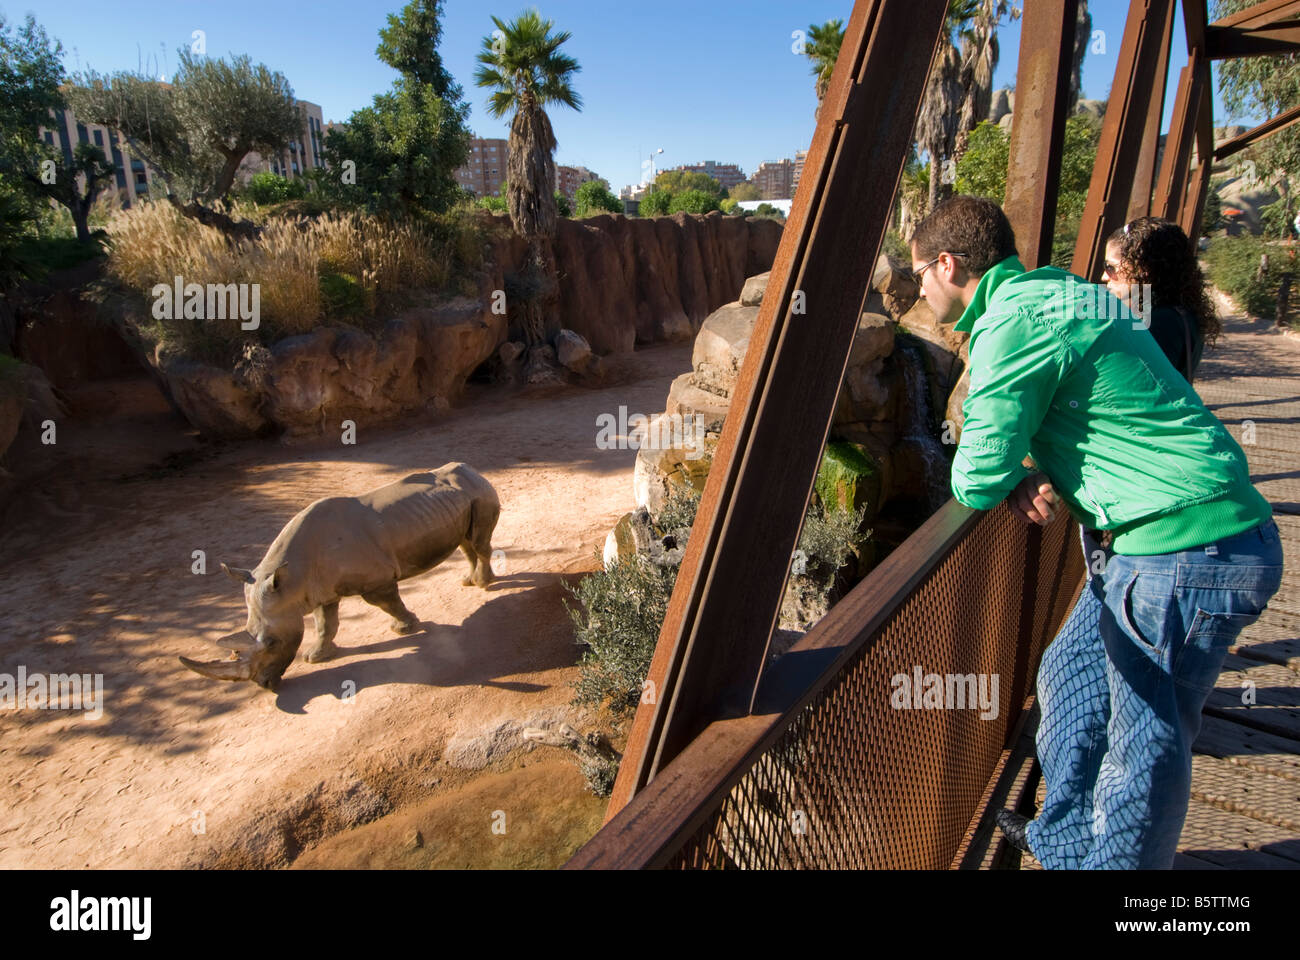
{"type": "Point", "coordinates": [687, 399]}
{"type": "Point", "coordinates": [662, 466]}
{"type": "Point", "coordinates": [751, 295]}
{"type": "Point", "coordinates": [720, 347]}
{"type": "Point", "coordinates": [1000, 105]}
{"type": "Point", "coordinates": [572, 351]}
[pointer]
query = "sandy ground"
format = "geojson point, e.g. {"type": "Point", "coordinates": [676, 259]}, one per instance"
{"type": "Point", "coordinates": [96, 578]}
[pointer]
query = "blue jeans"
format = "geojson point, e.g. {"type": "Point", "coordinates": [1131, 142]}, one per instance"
{"type": "Point", "coordinates": [1121, 690]}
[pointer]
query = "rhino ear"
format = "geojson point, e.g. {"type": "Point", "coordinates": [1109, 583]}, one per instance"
{"type": "Point", "coordinates": [238, 574]}
{"type": "Point", "coordinates": [274, 581]}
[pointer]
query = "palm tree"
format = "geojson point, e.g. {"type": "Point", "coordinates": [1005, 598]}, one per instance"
{"type": "Point", "coordinates": [522, 62]}
{"type": "Point", "coordinates": [823, 50]}
{"type": "Point", "coordinates": [960, 87]}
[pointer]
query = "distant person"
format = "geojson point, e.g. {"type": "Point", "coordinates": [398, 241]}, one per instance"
{"type": "Point", "coordinates": [1125, 442]}
{"type": "Point", "coordinates": [1154, 254]}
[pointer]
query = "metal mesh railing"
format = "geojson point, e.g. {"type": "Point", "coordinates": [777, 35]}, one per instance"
{"type": "Point", "coordinates": [881, 760]}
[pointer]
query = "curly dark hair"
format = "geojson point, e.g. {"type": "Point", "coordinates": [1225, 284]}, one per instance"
{"type": "Point", "coordinates": [1156, 251]}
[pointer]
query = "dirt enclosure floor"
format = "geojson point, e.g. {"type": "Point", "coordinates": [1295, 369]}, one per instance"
{"type": "Point", "coordinates": [423, 766]}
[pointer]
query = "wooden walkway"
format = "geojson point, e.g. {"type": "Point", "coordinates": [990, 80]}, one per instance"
{"type": "Point", "coordinates": [1245, 807]}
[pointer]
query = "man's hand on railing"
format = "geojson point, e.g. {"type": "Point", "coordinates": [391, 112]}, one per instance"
{"type": "Point", "coordinates": [1034, 500]}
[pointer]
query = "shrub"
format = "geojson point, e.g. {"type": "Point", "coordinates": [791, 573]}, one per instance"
{"type": "Point", "coordinates": [655, 203]}
{"type": "Point", "coordinates": [495, 204]}
{"type": "Point", "coordinates": [267, 188]}
{"type": "Point", "coordinates": [693, 201]}
{"type": "Point", "coordinates": [1233, 264]}
{"type": "Point", "coordinates": [562, 207]}
{"type": "Point", "coordinates": [592, 198]}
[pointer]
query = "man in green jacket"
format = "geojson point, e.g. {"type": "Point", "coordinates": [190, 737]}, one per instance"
{"type": "Point", "coordinates": [1062, 373]}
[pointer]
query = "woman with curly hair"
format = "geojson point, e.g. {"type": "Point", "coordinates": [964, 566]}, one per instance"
{"type": "Point", "coordinates": [1154, 254]}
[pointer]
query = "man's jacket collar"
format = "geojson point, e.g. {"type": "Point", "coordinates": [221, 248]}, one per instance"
{"type": "Point", "coordinates": [992, 278]}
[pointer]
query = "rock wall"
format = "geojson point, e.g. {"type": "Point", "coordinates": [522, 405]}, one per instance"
{"type": "Point", "coordinates": [625, 281]}
{"type": "Point", "coordinates": [621, 282]}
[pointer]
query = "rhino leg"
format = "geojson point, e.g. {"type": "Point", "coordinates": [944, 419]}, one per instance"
{"type": "Point", "coordinates": [478, 548]}
{"type": "Point", "coordinates": [387, 600]}
{"type": "Point", "coordinates": [477, 564]}
{"type": "Point", "coordinates": [327, 624]}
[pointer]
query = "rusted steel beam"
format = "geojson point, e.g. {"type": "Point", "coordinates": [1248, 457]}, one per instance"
{"type": "Point", "coordinates": [1194, 16]}
{"type": "Point", "coordinates": [1261, 14]}
{"type": "Point", "coordinates": [1176, 164]}
{"type": "Point", "coordinates": [730, 584]}
{"type": "Point", "coordinates": [1225, 43]}
{"type": "Point", "coordinates": [1144, 174]}
{"type": "Point", "coordinates": [1193, 206]}
{"type": "Point", "coordinates": [1038, 125]}
{"type": "Point", "coordinates": [1136, 83]}
{"type": "Point", "coordinates": [1237, 144]}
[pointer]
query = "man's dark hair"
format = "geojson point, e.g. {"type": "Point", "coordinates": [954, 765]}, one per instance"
{"type": "Point", "coordinates": [970, 225]}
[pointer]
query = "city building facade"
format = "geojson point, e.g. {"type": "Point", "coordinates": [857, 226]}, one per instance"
{"type": "Point", "coordinates": [485, 170]}
{"type": "Point", "coordinates": [775, 180]}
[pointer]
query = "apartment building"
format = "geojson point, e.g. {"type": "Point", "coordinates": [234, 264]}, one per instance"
{"type": "Point", "coordinates": [302, 154]}
{"type": "Point", "coordinates": [775, 180]}
{"type": "Point", "coordinates": [727, 174]}
{"type": "Point", "coordinates": [799, 157]}
{"type": "Point", "coordinates": [485, 171]}
{"type": "Point", "coordinates": [569, 179]}
{"type": "Point", "coordinates": [132, 177]}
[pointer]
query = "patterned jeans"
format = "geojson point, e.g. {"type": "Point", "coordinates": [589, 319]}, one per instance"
{"type": "Point", "coordinates": [1121, 690]}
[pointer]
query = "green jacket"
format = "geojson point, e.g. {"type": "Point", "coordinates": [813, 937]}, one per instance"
{"type": "Point", "coordinates": [1060, 372]}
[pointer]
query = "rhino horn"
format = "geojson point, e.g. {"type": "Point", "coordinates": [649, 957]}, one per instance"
{"type": "Point", "coordinates": [238, 574]}
{"type": "Point", "coordinates": [241, 642]}
{"type": "Point", "coordinates": [241, 669]}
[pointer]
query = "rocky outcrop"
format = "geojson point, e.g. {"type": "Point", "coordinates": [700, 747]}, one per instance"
{"type": "Point", "coordinates": [877, 409]}
{"type": "Point", "coordinates": [625, 281]}
{"type": "Point", "coordinates": [308, 385]}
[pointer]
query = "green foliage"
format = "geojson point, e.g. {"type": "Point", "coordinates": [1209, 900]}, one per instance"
{"type": "Point", "coordinates": [745, 191]}
{"type": "Point", "coordinates": [593, 197]}
{"type": "Point", "coordinates": [521, 62]}
{"type": "Point", "coordinates": [31, 73]}
{"type": "Point", "coordinates": [982, 169]}
{"type": "Point", "coordinates": [495, 204]}
{"type": "Point", "coordinates": [197, 130]}
{"type": "Point", "coordinates": [681, 181]}
{"type": "Point", "coordinates": [768, 212]}
{"type": "Point", "coordinates": [655, 203]}
{"type": "Point", "coordinates": [342, 295]}
{"type": "Point", "coordinates": [562, 207]}
{"type": "Point", "coordinates": [693, 201]}
{"type": "Point", "coordinates": [1233, 266]}
{"type": "Point", "coordinates": [828, 539]}
{"type": "Point", "coordinates": [403, 150]}
{"type": "Point", "coordinates": [267, 187]}
{"type": "Point", "coordinates": [895, 246]}
{"type": "Point", "coordinates": [623, 609]}
{"type": "Point", "coordinates": [729, 205]}
{"type": "Point", "coordinates": [1264, 87]}
{"type": "Point", "coordinates": [1277, 220]}
{"type": "Point", "coordinates": [823, 49]}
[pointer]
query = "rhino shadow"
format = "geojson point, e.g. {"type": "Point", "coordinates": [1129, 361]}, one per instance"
{"type": "Point", "coordinates": [525, 631]}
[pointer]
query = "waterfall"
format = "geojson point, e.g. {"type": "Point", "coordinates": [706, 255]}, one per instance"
{"type": "Point", "coordinates": [917, 424]}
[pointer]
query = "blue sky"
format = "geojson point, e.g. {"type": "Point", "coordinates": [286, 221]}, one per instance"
{"type": "Point", "coordinates": [704, 81]}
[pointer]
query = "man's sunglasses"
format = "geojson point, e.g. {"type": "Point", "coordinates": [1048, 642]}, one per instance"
{"type": "Point", "coordinates": [916, 274]}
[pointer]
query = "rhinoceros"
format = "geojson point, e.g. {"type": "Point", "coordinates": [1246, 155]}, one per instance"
{"type": "Point", "coordinates": [354, 546]}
